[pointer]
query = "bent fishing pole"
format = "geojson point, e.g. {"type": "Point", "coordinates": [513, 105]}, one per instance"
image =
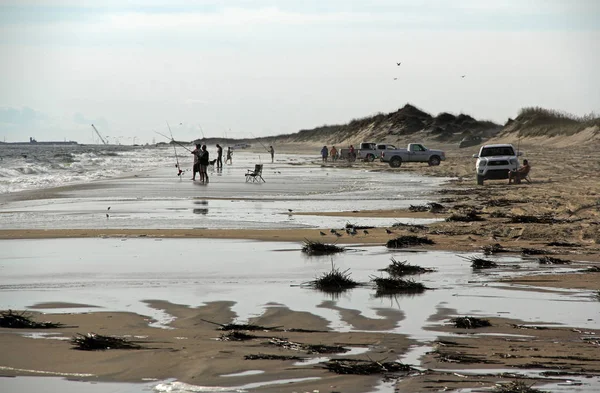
{"type": "Point", "coordinates": [264, 147]}
{"type": "Point", "coordinates": [175, 150]}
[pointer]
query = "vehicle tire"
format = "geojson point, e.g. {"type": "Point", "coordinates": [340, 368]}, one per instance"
{"type": "Point", "coordinates": [480, 180]}
{"type": "Point", "coordinates": [370, 158]}
{"type": "Point", "coordinates": [395, 162]}
{"type": "Point", "coordinates": [434, 161]}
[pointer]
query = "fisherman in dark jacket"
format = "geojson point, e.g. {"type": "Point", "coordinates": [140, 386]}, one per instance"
{"type": "Point", "coordinates": [203, 159]}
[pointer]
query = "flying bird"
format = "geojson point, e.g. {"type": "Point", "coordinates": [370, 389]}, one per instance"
{"type": "Point", "coordinates": [290, 210]}
{"type": "Point", "coordinates": [395, 79]}
{"type": "Point", "coordinates": [321, 233]}
{"type": "Point", "coordinates": [399, 63]}
{"type": "Point", "coordinates": [462, 76]}
{"type": "Point", "coordinates": [108, 208]}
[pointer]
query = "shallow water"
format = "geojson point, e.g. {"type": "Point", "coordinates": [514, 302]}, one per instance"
{"type": "Point", "coordinates": [119, 274]}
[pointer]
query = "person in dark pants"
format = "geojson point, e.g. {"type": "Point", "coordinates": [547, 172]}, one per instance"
{"type": "Point", "coordinates": [203, 164]}
{"type": "Point", "coordinates": [219, 156]}
{"type": "Point", "coordinates": [196, 168]}
{"type": "Point", "coordinates": [229, 155]}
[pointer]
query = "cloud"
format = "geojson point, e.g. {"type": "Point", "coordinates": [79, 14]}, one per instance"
{"type": "Point", "coordinates": [22, 116]}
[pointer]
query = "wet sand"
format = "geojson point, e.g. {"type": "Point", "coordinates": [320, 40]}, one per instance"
{"type": "Point", "coordinates": [567, 191]}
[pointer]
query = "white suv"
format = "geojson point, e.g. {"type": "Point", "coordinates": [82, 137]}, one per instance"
{"type": "Point", "coordinates": [495, 161]}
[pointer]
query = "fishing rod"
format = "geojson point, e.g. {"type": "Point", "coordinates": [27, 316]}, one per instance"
{"type": "Point", "coordinates": [175, 150]}
{"type": "Point", "coordinates": [174, 141]}
{"type": "Point", "coordinates": [264, 147]}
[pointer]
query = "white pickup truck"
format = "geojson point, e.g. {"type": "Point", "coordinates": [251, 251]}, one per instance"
{"type": "Point", "coordinates": [495, 161]}
{"type": "Point", "coordinates": [415, 152]}
{"type": "Point", "coordinates": [370, 151]}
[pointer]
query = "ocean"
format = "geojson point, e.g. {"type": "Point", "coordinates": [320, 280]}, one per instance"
{"type": "Point", "coordinates": [27, 167]}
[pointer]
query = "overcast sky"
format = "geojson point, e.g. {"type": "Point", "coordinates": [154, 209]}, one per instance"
{"type": "Point", "coordinates": [243, 68]}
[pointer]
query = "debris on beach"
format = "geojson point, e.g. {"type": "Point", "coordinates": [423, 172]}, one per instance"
{"type": "Point", "coordinates": [407, 241]}
{"type": "Point", "coordinates": [263, 356]}
{"type": "Point", "coordinates": [393, 285]}
{"type": "Point", "coordinates": [409, 227]}
{"type": "Point", "coordinates": [403, 268]}
{"type": "Point", "coordinates": [15, 320]}
{"type": "Point", "coordinates": [563, 244]}
{"type": "Point", "coordinates": [97, 342]}
{"type": "Point", "coordinates": [470, 322]}
{"type": "Point", "coordinates": [546, 260]}
{"type": "Point", "coordinates": [541, 219]}
{"type": "Point", "coordinates": [472, 215]}
{"type": "Point", "coordinates": [317, 248]}
{"type": "Point", "coordinates": [242, 326]}
{"type": "Point", "coordinates": [516, 387]}
{"type": "Point", "coordinates": [492, 249]}
{"type": "Point", "coordinates": [364, 367]}
{"type": "Point", "coordinates": [534, 251]}
{"type": "Point", "coordinates": [498, 214]}
{"type": "Point", "coordinates": [481, 263]}
{"type": "Point", "coordinates": [503, 202]}
{"type": "Point", "coordinates": [593, 269]}
{"type": "Point", "coordinates": [431, 207]}
{"type": "Point", "coordinates": [459, 357]}
{"type": "Point", "coordinates": [310, 348]}
{"type": "Point", "coordinates": [235, 335]}
{"type": "Point", "coordinates": [333, 281]}
{"type": "Point", "coordinates": [358, 227]}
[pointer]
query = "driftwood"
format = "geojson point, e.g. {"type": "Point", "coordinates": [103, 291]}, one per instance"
{"type": "Point", "coordinates": [364, 367]}
{"type": "Point", "coordinates": [402, 268]}
{"type": "Point", "coordinates": [407, 241]}
{"type": "Point", "coordinates": [235, 335]}
{"type": "Point", "coordinates": [534, 251]}
{"type": "Point", "coordinates": [15, 320]}
{"type": "Point", "coordinates": [470, 322]}
{"type": "Point", "coordinates": [317, 248]}
{"type": "Point", "coordinates": [97, 342]}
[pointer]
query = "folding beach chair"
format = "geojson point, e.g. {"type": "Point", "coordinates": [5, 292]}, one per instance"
{"type": "Point", "coordinates": [256, 174]}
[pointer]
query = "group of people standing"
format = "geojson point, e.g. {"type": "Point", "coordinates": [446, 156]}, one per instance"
{"type": "Point", "coordinates": [202, 161]}
{"type": "Point", "coordinates": [333, 153]}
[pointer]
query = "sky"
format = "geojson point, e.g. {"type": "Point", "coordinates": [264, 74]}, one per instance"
{"type": "Point", "coordinates": [249, 68]}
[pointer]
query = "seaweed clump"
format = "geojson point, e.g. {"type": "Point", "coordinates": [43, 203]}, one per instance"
{"type": "Point", "coordinates": [481, 263]}
{"type": "Point", "coordinates": [492, 249]}
{"type": "Point", "coordinates": [393, 285]}
{"type": "Point", "coordinates": [317, 248]}
{"type": "Point", "coordinates": [310, 348]}
{"type": "Point", "coordinates": [364, 367]}
{"type": "Point", "coordinates": [546, 260]}
{"type": "Point", "coordinates": [263, 356]}
{"type": "Point", "coordinates": [470, 322]}
{"type": "Point", "coordinates": [403, 268]}
{"type": "Point", "coordinates": [408, 240]}
{"type": "Point", "coordinates": [235, 335]}
{"type": "Point", "coordinates": [334, 281]}
{"type": "Point", "coordinates": [97, 342]}
{"type": "Point", "coordinates": [15, 320]}
{"type": "Point", "coordinates": [516, 387]}
{"type": "Point", "coordinates": [470, 216]}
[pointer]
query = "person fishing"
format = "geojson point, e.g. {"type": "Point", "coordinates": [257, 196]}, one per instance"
{"type": "Point", "coordinates": [229, 155]}
{"type": "Point", "coordinates": [333, 153]}
{"type": "Point", "coordinates": [219, 156]}
{"type": "Point", "coordinates": [324, 153]}
{"type": "Point", "coordinates": [203, 160]}
{"type": "Point", "coordinates": [196, 167]}
{"type": "Point", "coordinates": [272, 152]}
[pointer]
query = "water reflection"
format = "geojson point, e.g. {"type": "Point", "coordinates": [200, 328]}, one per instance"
{"type": "Point", "coordinates": [202, 210]}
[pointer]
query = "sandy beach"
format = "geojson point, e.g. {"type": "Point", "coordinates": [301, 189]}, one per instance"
{"type": "Point", "coordinates": [545, 318]}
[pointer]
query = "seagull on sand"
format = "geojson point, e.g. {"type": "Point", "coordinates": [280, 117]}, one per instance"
{"type": "Point", "coordinates": [321, 233]}
{"type": "Point", "coordinates": [338, 234]}
{"type": "Point", "coordinates": [108, 208]}
{"type": "Point", "coordinates": [365, 232]}
{"type": "Point", "coordinates": [332, 230]}
{"type": "Point", "coordinates": [107, 215]}
{"type": "Point", "coordinates": [388, 231]}
{"type": "Point", "coordinates": [290, 210]}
